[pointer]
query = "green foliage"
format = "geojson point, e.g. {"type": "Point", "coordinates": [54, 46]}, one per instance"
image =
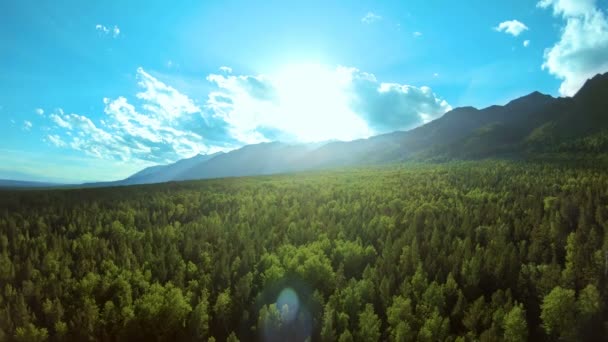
{"type": "Point", "coordinates": [515, 325]}
{"type": "Point", "coordinates": [460, 251]}
{"type": "Point", "coordinates": [400, 317]}
{"type": "Point", "coordinates": [30, 333]}
{"type": "Point", "coordinates": [162, 310]}
{"type": "Point", "coordinates": [199, 320]}
{"type": "Point", "coordinates": [346, 336]}
{"type": "Point", "coordinates": [328, 329]}
{"type": "Point", "coordinates": [232, 337]}
{"type": "Point", "coordinates": [559, 313]}
{"type": "Point", "coordinates": [369, 325]}
{"type": "Point", "coordinates": [589, 302]}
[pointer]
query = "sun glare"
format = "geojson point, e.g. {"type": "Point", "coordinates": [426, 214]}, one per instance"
{"type": "Point", "coordinates": [314, 103]}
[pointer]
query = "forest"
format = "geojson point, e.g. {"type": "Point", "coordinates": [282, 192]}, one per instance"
{"type": "Point", "coordinates": [460, 251]}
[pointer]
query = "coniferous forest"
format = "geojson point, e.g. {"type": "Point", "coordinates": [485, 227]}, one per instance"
{"type": "Point", "coordinates": [463, 251]}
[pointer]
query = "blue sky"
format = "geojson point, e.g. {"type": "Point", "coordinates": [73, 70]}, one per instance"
{"type": "Point", "coordinates": [99, 91]}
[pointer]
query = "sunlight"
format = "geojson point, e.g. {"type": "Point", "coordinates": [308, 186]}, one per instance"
{"type": "Point", "coordinates": [313, 103]}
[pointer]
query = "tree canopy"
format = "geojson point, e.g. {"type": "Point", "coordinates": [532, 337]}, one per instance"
{"type": "Point", "coordinates": [463, 251]}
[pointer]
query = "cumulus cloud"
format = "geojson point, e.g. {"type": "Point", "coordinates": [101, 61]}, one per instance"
{"type": "Point", "coordinates": [391, 106]}
{"type": "Point", "coordinates": [27, 125]}
{"type": "Point", "coordinates": [109, 31]}
{"type": "Point", "coordinates": [57, 118]}
{"type": "Point", "coordinates": [158, 130]}
{"type": "Point", "coordinates": [371, 17]}
{"type": "Point", "coordinates": [569, 7]}
{"type": "Point", "coordinates": [582, 49]}
{"type": "Point", "coordinates": [297, 103]}
{"type": "Point", "coordinates": [314, 103]}
{"type": "Point", "coordinates": [526, 43]}
{"type": "Point", "coordinates": [512, 27]}
{"type": "Point", "coordinates": [39, 111]}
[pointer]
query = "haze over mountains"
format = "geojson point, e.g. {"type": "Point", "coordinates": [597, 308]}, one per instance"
{"type": "Point", "coordinates": [533, 124]}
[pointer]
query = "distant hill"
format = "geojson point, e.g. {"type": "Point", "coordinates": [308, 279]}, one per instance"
{"type": "Point", "coordinates": [159, 173]}
{"type": "Point", "coordinates": [165, 173]}
{"type": "Point", "coordinates": [7, 183]}
{"type": "Point", "coordinates": [531, 125]}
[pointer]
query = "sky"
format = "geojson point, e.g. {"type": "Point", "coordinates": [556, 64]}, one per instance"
{"type": "Point", "coordinates": [97, 91]}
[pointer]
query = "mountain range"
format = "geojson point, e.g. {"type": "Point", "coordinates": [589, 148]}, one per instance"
{"type": "Point", "coordinates": [534, 124]}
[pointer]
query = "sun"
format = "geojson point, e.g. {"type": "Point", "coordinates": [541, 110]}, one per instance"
{"type": "Point", "coordinates": [314, 103]}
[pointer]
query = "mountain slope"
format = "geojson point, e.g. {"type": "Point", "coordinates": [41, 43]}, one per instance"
{"type": "Point", "coordinates": [259, 159]}
{"type": "Point", "coordinates": [534, 123]}
{"type": "Point", "coordinates": [165, 173]}
{"type": "Point", "coordinates": [574, 118]}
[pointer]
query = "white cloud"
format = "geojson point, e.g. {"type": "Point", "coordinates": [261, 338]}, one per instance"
{"type": "Point", "coordinates": [159, 131]}
{"type": "Point", "coordinates": [417, 34]}
{"type": "Point", "coordinates": [57, 118]}
{"type": "Point", "coordinates": [39, 111]}
{"type": "Point", "coordinates": [371, 17]}
{"type": "Point", "coordinates": [582, 49]}
{"type": "Point", "coordinates": [56, 140]}
{"type": "Point", "coordinates": [388, 107]}
{"type": "Point", "coordinates": [162, 99]}
{"type": "Point", "coordinates": [526, 43]}
{"type": "Point", "coordinates": [113, 31]}
{"type": "Point", "coordinates": [226, 69]}
{"type": "Point", "coordinates": [310, 102]}
{"type": "Point", "coordinates": [436, 74]}
{"type": "Point", "coordinates": [569, 7]}
{"type": "Point", "coordinates": [513, 27]}
{"type": "Point", "coordinates": [27, 125]}
{"type": "Point", "coordinates": [305, 102]}
{"type": "Point", "coordinates": [102, 28]}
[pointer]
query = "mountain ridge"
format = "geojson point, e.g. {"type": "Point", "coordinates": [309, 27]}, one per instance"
{"type": "Point", "coordinates": [462, 133]}
{"type": "Point", "coordinates": [532, 124]}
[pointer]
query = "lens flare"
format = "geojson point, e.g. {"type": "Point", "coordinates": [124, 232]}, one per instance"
{"type": "Point", "coordinates": [288, 303]}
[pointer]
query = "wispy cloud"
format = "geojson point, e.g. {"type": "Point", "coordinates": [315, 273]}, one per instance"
{"type": "Point", "coordinates": [417, 34]}
{"type": "Point", "coordinates": [39, 111]}
{"type": "Point", "coordinates": [113, 31]}
{"type": "Point", "coordinates": [371, 17]}
{"type": "Point", "coordinates": [226, 69]}
{"type": "Point", "coordinates": [55, 140]}
{"type": "Point", "coordinates": [526, 43]}
{"type": "Point", "coordinates": [162, 100]}
{"type": "Point", "coordinates": [512, 27]}
{"type": "Point", "coordinates": [582, 48]}
{"type": "Point", "coordinates": [27, 125]}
